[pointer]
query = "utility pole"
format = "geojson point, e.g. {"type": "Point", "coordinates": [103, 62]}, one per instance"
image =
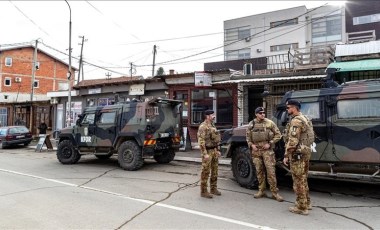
{"type": "Point", "coordinates": [80, 59]}
{"type": "Point", "coordinates": [131, 69]}
{"type": "Point", "coordinates": [108, 75]}
{"type": "Point", "coordinates": [154, 58]}
{"type": "Point", "coordinates": [69, 74]}
{"type": "Point", "coordinates": [32, 85]}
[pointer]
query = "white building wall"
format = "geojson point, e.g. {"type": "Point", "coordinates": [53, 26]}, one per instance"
{"type": "Point", "coordinates": [265, 37]}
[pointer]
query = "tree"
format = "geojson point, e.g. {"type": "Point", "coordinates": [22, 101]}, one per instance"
{"type": "Point", "coordinates": [160, 71]}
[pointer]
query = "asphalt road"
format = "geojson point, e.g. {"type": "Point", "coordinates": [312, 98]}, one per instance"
{"type": "Point", "coordinates": [37, 192]}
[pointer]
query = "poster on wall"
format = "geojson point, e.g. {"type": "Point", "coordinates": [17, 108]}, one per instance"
{"type": "Point", "coordinates": [202, 79]}
{"type": "Point", "coordinates": [137, 89]}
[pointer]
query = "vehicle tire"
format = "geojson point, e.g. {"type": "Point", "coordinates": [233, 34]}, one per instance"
{"type": "Point", "coordinates": [130, 156]}
{"type": "Point", "coordinates": [26, 144]}
{"type": "Point", "coordinates": [243, 168]}
{"type": "Point", "coordinates": [104, 157]}
{"type": "Point", "coordinates": [2, 145]}
{"type": "Point", "coordinates": [165, 157]}
{"type": "Point", "coordinates": [66, 154]}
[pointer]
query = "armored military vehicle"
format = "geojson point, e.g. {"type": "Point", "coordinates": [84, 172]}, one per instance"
{"type": "Point", "coordinates": [134, 130]}
{"type": "Point", "coordinates": [346, 120]}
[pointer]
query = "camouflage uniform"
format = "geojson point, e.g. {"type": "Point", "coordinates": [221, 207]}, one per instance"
{"type": "Point", "coordinates": [209, 140]}
{"type": "Point", "coordinates": [299, 157]}
{"type": "Point", "coordinates": [259, 133]}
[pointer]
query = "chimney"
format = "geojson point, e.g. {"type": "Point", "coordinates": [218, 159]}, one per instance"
{"type": "Point", "coordinates": [171, 71]}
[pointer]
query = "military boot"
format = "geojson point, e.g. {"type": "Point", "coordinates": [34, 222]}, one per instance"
{"type": "Point", "coordinates": [277, 197]}
{"type": "Point", "coordinates": [309, 207]}
{"type": "Point", "coordinates": [260, 194]}
{"type": "Point", "coordinates": [205, 193]}
{"type": "Point", "coordinates": [298, 211]}
{"type": "Point", "coordinates": [215, 191]}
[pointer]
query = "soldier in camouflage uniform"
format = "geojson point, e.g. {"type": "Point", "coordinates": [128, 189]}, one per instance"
{"type": "Point", "coordinates": [299, 157]}
{"type": "Point", "coordinates": [209, 140]}
{"type": "Point", "coordinates": [262, 134]}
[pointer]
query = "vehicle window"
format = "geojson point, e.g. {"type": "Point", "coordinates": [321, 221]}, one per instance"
{"type": "Point", "coordinates": [89, 118]}
{"type": "Point", "coordinates": [311, 110]}
{"type": "Point", "coordinates": [358, 108]}
{"type": "Point", "coordinates": [21, 129]}
{"type": "Point", "coordinates": [3, 132]}
{"type": "Point", "coordinates": [107, 117]}
{"type": "Point", "coordinates": [12, 131]}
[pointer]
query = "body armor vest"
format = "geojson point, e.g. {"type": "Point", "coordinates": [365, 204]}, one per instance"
{"type": "Point", "coordinates": [260, 133]}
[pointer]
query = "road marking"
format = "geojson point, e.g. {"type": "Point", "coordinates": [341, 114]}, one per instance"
{"type": "Point", "coordinates": [229, 220]}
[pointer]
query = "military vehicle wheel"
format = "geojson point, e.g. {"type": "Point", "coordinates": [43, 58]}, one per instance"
{"type": "Point", "coordinates": [130, 156]}
{"type": "Point", "coordinates": [165, 157]}
{"type": "Point", "coordinates": [104, 157]}
{"type": "Point", "coordinates": [243, 168]}
{"type": "Point", "coordinates": [66, 154]}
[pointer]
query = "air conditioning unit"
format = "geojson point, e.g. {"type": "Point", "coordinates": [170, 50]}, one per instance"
{"type": "Point", "coordinates": [18, 79]}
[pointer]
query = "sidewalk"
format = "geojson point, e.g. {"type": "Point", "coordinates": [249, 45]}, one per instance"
{"type": "Point", "coordinates": [193, 155]}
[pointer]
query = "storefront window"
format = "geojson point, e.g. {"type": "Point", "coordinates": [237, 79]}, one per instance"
{"type": "Point", "coordinates": [218, 100]}
{"type": "Point", "coordinates": [225, 107]}
{"type": "Point", "coordinates": [201, 100]}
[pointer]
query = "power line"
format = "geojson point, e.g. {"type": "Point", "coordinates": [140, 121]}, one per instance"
{"type": "Point", "coordinates": [29, 19]}
{"type": "Point", "coordinates": [233, 42]}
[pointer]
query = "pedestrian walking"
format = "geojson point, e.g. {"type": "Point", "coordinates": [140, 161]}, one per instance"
{"type": "Point", "coordinates": [262, 135]}
{"type": "Point", "coordinates": [43, 127]}
{"type": "Point", "coordinates": [209, 140]}
{"type": "Point", "coordinates": [299, 135]}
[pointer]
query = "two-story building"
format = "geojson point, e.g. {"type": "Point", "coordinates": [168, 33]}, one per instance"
{"type": "Point", "coordinates": [26, 75]}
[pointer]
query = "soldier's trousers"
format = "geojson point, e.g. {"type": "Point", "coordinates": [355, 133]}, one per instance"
{"type": "Point", "coordinates": [211, 164]}
{"type": "Point", "coordinates": [265, 161]}
{"type": "Point", "coordinates": [300, 169]}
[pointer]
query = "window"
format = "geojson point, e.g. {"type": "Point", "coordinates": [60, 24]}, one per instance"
{"type": "Point", "coordinates": [284, 47]}
{"type": "Point", "coordinates": [89, 118]}
{"type": "Point", "coordinates": [3, 116]}
{"type": "Point", "coordinates": [107, 118]}
{"type": "Point", "coordinates": [183, 95]}
{"type": "Point", "coordinates": [106, 101]}
{"type": "Point", "coordinates": [288, 22]}
{"type": "Point", "coordinates": [237, 33]}
{"type": "Point", "coordinates": [7, 81]}
{"type": "Point", "coordinates": [218, 100]}
{"type": "Point", "coordinates": [311, 110]}
{"type": "Point", "coordinates": [36, 84]}
{"type": "Point", "coordinates": [224, 107]}
{"type": "Point", "coordinates": [359, 108]}
{"type": "Point", "coordinates": [366, 19]}
{"type": "Point", "coordinates": [238, 54]}
{"type": "Point", "coordinates": [8, 61]}
{"type": "Point", "coordinates": [327, 30]}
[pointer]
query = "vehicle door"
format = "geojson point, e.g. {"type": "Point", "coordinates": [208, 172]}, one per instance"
{"type": "Point", "coordinates": [356, 133]}
{"type": "Point", "coordinates": [315, 110]}
{"type": "Point", "coordinates": [85, 132]}
{"type": "Point", "coordinates": [106, 127]}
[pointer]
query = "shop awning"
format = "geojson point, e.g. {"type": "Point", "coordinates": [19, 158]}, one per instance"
{"type": "Point", "coordinates": [266, 79]}
{"type": "Point", "coordinates": [361, 65]}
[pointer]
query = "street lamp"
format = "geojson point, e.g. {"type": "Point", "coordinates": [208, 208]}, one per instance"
{"type": "Point", "coordinates": [69, 72]}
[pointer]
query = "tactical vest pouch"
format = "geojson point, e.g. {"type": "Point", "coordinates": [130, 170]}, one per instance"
{"type": "Point", "coordinates": [304, 149]}
{"type": "Point", "coordinates": [258, 136]}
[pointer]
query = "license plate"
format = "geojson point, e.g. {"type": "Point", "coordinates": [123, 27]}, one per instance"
{"type": "Point", "coordinates": [21, 136]}
{"type": "Point", "coordinates": [164, 134]}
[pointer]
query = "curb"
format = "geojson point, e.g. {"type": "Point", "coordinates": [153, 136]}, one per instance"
{"type": "Point", "coordinates": [176, 158]}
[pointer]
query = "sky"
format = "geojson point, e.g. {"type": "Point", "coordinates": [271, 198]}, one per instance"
{"type": "Point", "coordinates": [119, 33]}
